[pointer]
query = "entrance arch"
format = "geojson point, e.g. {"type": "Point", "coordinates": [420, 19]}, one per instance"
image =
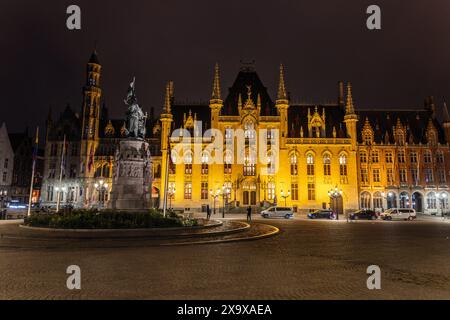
{"type": "Point", "coordinates": [404, 200]}
{"type": "Point", "coordinates": [337, 205]}
{"type": "Point", "coordinates": [417, 202]}
{"type": "Point", "coordinates": [391, 200]}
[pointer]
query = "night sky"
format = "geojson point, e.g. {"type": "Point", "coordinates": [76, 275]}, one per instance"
{"type": "Point", "coordinates": [319, 42]}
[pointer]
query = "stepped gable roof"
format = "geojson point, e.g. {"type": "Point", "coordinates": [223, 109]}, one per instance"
{"type": "Point", "coordinates": [298, 117]}
{"type": "Point", "coordinates": [247, 76]}
{"type": "Point", "coordinates": [384, 120]}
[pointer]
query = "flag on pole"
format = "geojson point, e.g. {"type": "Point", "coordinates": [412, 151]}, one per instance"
{"type": "Point", "coordinates": [91, 159]}
{"type": "Point", "coordinates": [63, 158]}
{"type": "Point", "coordinates": [33, 169]}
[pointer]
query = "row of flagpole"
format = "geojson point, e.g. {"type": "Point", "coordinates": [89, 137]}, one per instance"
{"type": "Point", "coordinates": [33, 172]}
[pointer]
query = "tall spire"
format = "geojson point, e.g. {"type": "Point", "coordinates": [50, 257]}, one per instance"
{"type": "Point", "coordinates": [282, 95]}
{"type": "Point", "coordinates": [349, 108]}
{"type": "Point", "coordinates": [167, 101]}
{"type": "Point", "coordinates": [216, 84]}
{"type": "Point", "coordinates": [446, 115]}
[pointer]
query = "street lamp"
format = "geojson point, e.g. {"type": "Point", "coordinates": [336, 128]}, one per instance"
{"type": "Point", "coordinates": [285, 196]}
{"type": "Point", "coordinates": [59, 190]}
{"type": "Point", "coordinates": [214, 195]}
{"type": "Point", "coordinates": [101, 188]}
{"type": "Point", "coordinates": [334, 194]}
{"type": "Point", "coordinates": [225, 192]}
{"type": "Point", "coordinates": [442, 196]}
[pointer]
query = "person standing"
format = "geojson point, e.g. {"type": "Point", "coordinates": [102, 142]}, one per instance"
{"type": "Point", "coordinates": [249, 214]}
{"type": "Point", "coordinates": [208, 212]}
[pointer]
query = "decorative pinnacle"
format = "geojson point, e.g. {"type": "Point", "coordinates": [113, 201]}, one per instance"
{"type": "Point", "coordinates": [282, 95]}
{"type": "Point", "coordinates": [446, 115]}
{"type": "Point", "coordinates": [216, 84]}
{"type": "Point", "coordinates": [167, 108]}
{"type": "Point", "coordinates": [349, 108]}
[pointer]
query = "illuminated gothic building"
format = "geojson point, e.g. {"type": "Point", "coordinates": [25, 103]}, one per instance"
{"type": "Point", "coordinates": [330, 154]}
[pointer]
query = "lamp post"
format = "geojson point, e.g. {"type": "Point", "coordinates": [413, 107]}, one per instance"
{"type": "Point", "coordinates": [225, 192]}
{"type": "Point", "coordinates": [101, 188]}
{"type": "Point", "coordinates": [334, 194]}
{"type": "Point", "coordinates": [285, 196]}
{"type": "Point", "coordinates": [59, 190]}
{"type": "Point", "coordinates": [442, 196]}
{"type": "Point", "coordinates": [214, 195]}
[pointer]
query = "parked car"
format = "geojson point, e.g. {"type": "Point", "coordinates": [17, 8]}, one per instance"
{"type": "Point", "coordinates": [363, 215]}
{"type": "Point", "coordinates": [398, 214]}
{"type": "Point", "coordinates": [277, 212]}
{"type": "Point", "coordinates": [322, 214]}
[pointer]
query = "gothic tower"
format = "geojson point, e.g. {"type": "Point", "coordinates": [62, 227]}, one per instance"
{"type": "Point", "coordinates": [90, 116]}
{"type": "Point", "coordinates": [166, 124]}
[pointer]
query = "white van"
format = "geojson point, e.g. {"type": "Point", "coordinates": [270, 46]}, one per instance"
{"type": "Point", "coordinates": [398, 214]}
{"type": "Point", "coordinates": [279, 212]}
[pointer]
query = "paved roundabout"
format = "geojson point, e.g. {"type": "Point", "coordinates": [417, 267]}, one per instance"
{"type": "Point", "coordinates": [15, 235]}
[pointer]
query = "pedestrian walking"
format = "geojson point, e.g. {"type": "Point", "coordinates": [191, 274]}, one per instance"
{"type": "Point", "coordinates": [208, 212]}
{"type": "Point", "coordinates": [249, 214]}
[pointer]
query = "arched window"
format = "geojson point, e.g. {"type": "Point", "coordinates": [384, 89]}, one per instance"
{"type": "Point", "coordinates": [228, 159]}
{"type": "Point", "coordinates": [188, 163]}
{"type": "Point", "coordinates": [404, 200]}
{"type": "Point", "coordinates": [431, 200]}
{"type": "Point", "coordinates": [270, 163]}
{"type": "Point", "coordinates": [343, 165]}
{"type": "Point", "coordinates": [326, 165]}
{"type": "Point", "coordinates": [249, 130]}
{"type": "Point", "coordinates": [249, 164]}
{"type": "Point", "coordinates": [365, 200]}
{"type": "Point", "coordinates": [310, 164]}
{"type": "Point", "coordinates": [205, 161]}
{"type": "Point", "coordinates": [294, 164]}
{"type": "Point", "coordinates": [106, 170]}
{"type": "Point", "coordinates": [377, 200]}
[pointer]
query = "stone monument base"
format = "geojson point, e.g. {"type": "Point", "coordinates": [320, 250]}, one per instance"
{"type": "Point", "coordinates": [131, 184]}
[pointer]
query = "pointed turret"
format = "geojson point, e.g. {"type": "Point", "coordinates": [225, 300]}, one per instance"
{"type": "Point", "coordinates": [350, 117]}
{"type": "Point", "coordinates": [282, 95]}
{"type": "Point", "coordinates": [349, 107]}
{"type": "Point", "coordinates": [167, 100]}
{"type": "Point", "coordinates": [216, 102]}
{"type": "Point", "coordinates": [282, 105]}
{"type": "Point", "coordinates": [446, 116]}
{"type": "Point", "coordinates": [446, 122]}
{"type": "Point", "coordinates": [216, 84]}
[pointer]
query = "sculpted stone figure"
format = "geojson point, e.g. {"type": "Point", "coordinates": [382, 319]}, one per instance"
{"type": "Point", "coordinates": [135, 116]}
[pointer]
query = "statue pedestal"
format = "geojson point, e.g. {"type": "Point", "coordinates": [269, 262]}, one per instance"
{"type": "Point", "coordinates": [131, 183]}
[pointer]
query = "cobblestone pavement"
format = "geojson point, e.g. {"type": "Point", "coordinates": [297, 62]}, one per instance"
{"type": "Point", "coordinates": [307, 260]}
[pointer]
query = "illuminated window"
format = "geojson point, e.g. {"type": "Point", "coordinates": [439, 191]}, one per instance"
{"type": "Point", "coordinates": [188, 163]}
{"type": "Point", "coordinates": [310, 165]}
{"type": "Point", "coordinates": [188, 191]}
{"type": "Point", "coordinates": [389, 157]}
{"type": "Point", "coordinates": [294, 191]}
{"type": "Point", "coordinates": [326, 165]}
{"type": "Point", "coordinates": [401, 157]}
{"type": "Point", "coordinates": [413, 157]}
{"type": "Point", "coordinates": [375, 156]}
{"type": "Point", "coordinates": [363, 157]}
{"type": "Point", "coordinates": [311, 191]}
{"type": "Point", "coordinates": [271, 190]}
{"type": "Point", "coordinates": [294, 165]}
{"type": "Point", "coordinates": [205, 161]}
{"type": "Point", "coordinates": [343, 165]}
{"type": "Point", "coordinates": [204, 190]}
{"type": "Point", "coordinates": [376, 175]}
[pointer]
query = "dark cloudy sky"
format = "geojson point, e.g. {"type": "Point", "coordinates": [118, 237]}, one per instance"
{"type": "Point", "coordinates": [319, 42]}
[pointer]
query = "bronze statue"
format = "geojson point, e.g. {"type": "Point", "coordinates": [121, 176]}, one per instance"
{"type": "Point", "coordinates": [135, 116]}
